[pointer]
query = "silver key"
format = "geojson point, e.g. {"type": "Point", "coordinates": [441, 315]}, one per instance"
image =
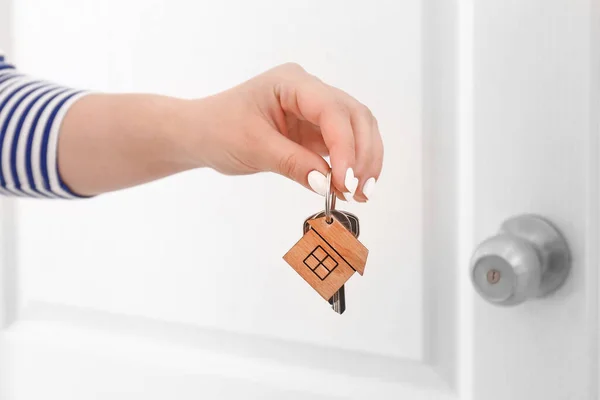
{"type": "Point", "coordinates": [350, 222]}
{"type": "Point", "coordinates": [338, 301]}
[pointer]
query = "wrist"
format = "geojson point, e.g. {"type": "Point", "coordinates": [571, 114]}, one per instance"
{"type": "Point", "coordinates": [188, 134]}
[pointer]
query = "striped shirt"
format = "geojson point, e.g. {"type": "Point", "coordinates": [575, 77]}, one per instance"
{"type": "Point", "coordinates": [31, 114]}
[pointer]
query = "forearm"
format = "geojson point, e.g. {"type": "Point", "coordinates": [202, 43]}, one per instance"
{"type": "Point", "coordinates": [109, 142]}
{"type": "Point", "coordinates": [60, 142]}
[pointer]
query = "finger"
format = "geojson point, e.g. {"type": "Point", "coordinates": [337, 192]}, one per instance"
{"type": "Point", "coordinates": [309, 135]}
{"type": "Point", "coordinates": [338, 136]}
{"type": "Point", "coordinates": [285, 157]}
{"type": "Point", "coordinates": [309, 99]}
{"type": "Point", "coordinates": [362, 124]}
{"type": "Point", "coordinates": [372, 172]}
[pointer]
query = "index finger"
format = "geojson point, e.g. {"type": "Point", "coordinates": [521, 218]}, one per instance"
{"type": "Point", "coordinates": [310, 99]}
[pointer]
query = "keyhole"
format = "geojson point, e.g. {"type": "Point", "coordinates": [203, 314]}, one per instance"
{"type": "Point", "coordinates": [493, 276]}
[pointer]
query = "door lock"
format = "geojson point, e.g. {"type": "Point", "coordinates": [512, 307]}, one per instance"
{"type": "Point", "coordinates": [528, 258]}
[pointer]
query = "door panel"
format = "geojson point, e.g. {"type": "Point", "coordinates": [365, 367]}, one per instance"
{"type": "Point", "coordinates": [206, 250]}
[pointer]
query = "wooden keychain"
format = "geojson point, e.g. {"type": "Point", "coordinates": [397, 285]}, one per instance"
{"type": "Point", "coordinates": [329, 252]}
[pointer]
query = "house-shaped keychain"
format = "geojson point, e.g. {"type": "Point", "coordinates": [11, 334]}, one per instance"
{"type": "Point", "coordinates": [327, 256]}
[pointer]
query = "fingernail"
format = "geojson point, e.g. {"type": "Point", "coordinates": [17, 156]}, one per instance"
{"type": "Point", "coordinates": [350, 181]}
{"type": "Point", "coordinates": [369, 187]}
{"type": "Point", "coordinates": [349, 197]}
{"type": "Point", "coordinates": [317, 182]}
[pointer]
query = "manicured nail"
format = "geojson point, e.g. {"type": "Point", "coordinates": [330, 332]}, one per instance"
{"type": "Point", "coordinates": [350, 181]}
{"type": "Point", "coordinates": [317, 182]}
{"type": "Point", "coordinates": [349, 197]}
{"type": "Point", "coordinates": [368, 187]}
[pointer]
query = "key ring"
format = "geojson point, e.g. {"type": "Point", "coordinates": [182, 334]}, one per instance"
{"type": "Point", "coordinates": [329, 199]}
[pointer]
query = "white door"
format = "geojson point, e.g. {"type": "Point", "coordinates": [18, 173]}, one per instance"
{"type": "Point", "coordinates": [177, 289]}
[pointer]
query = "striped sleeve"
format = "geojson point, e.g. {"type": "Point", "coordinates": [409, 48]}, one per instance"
{"type": "Point", "coordinates": [31, 114]}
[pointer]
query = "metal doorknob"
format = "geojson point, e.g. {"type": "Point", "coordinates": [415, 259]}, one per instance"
{"type": "Point", "coordinates": [528, 258]}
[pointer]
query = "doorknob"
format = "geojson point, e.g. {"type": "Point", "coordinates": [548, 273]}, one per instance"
{"type": "Point", "coordinates": [527, 258]}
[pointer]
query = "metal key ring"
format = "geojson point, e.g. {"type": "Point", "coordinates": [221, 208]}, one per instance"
{"type": "Point", "coordinates": [329, 199]}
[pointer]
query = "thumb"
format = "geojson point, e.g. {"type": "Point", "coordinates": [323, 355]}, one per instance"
{"type": "Point", "coordinates": [286, 157]}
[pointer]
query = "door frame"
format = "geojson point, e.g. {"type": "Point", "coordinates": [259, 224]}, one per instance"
{"type": "Point", "coordinates": [8, 261]}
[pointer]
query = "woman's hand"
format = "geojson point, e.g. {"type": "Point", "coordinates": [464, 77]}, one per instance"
{"type": "Point", "coordinates": [284, 121]}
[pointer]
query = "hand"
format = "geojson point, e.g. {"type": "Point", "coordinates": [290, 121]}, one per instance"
{"type": "Point", "coordinates": [284, 121]}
